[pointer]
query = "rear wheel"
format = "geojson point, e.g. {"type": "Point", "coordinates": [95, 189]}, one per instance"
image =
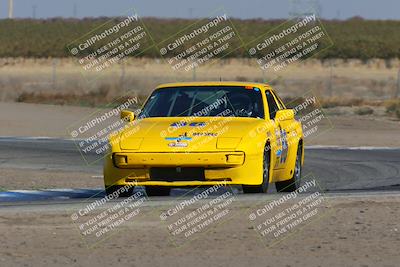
{"type": "Point", "coordinates": [158, 190]}
{"type": "Point", "coordinates": [119, 191]}
{"type": "Point", "coordinates": [294, 183]}
{"type": "Point", "coordinates": [263, 187]}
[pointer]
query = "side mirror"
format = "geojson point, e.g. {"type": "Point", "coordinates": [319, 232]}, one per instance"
{"type": "Point", "coordinates": [284, 115]}
{"type": "Point", "coordinates": [127, 115]}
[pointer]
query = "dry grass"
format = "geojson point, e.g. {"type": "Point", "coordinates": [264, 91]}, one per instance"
{"type": "Point", "coordinates": [61, 81]}
{"type": "Point", "coordinates": [92, 99]}
{"type": "Point", "coordinates": [99, 98]}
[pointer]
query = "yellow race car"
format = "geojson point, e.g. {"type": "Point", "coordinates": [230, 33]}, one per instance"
{"type": "Point", "coordinates": [205, 134]}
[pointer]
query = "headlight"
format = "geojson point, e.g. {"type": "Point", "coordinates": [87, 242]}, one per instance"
{"type": "Point", "coordinates": [130, 143]}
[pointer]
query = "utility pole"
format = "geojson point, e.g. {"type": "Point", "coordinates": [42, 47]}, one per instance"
{"type": "Point", "coordinates": [10, 8]}
{"type": "Point", "coordinates": [74, 10]}
{"type": "Point", "coordinates": [34, 11]}
{"type": "Point", "coordinates": [338, 12]}
{"type": "Point", "coordinates": [295, 8]}
{"type": "Point", "coordinates": [316, 7]}
{"type": "Point", "coordinates": [300, 8]}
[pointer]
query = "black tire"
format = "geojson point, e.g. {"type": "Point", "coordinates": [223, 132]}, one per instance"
{"type": "Point", "coordinates": [293, 183]}
{"type": "Point", "coordinates": [157, 191]}
{"type": "Point", "coordinates": [263, 187]}
{"type": "Point", "coordinates": [127, 192]}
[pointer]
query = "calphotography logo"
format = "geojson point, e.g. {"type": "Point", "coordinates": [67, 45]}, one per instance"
{"type": "Point", "coordinates": [107, 45]}
{"type": "Point", "coordinates": [190, 218]}
{"type": "Point", "coordinates": [290, 42]}
{"type": "Point", "coordinates": [287, 214]}
{"type": "Point", "coordinates": [93, 134]}
{"type": "Point", "coordinates": [202, 42]}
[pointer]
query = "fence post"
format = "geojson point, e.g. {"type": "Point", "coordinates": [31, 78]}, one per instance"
{"type": "Point", "coordinates": [54, 74]}
{"type": "Point", "coordinates": [330, 78]}
{"type": "Point", "coordinates": [194, 73]}
{"type": "Point", "coordinates": [397, 93]}
{"type": "Point", "coordinates": [122, 77]}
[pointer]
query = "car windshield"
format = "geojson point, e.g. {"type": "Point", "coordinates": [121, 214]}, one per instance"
{"type": "Point", "coordinates": [205, 101]}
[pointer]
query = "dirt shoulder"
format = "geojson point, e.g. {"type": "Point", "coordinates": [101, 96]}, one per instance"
{"type": "Point", "coordinates": [21, 119]}
{"type": "Point", "coordinates": [34, 179]}
{"type": "Point", "coordinates": [359, 131]}
{"type": "Point", "coordinates": [354, 231]}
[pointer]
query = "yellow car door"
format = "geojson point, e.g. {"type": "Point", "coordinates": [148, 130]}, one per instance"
{"type": "Point", "coordinates": [280, 141]}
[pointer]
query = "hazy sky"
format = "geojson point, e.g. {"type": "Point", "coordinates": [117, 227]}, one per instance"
{"type": "Point", "coordinates": [342, 9]}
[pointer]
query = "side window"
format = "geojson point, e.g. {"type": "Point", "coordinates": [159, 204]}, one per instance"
{"type": "Point", "coordinates": [279, 100]}
{"type": "Point", "coordinates": [272, 106]}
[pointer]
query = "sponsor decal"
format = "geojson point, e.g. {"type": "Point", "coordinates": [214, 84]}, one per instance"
{"type": "Point", "coordinates": [284, 146]}
{"type": "Point", "coordinates": [183, 123]}
{"type": "Point", "coordinates": [204, 134]}
{"type": "Point", "coordinates": [178, 144]}
{"type": "Point", "coordinates": [179, 138]}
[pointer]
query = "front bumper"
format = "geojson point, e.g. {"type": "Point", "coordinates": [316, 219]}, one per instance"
{"type": "Point", "coordinates": [229, 167]}
{"type": "Point", "coordinates": [201, 159]}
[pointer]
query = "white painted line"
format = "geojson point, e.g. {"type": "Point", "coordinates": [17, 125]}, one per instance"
{"type": "Point", "coordinates": [49, 194]}
{"type": "Point", "coordinates": [35, 192]}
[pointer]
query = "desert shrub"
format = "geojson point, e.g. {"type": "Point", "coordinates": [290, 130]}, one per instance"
{"type": "Point", "coordinates": [241, 79]}
{"type": "Point", "coordinates": [340, 102]}
{"type": "Point", "coordinates": [364, 111]}
{"type": "Point", "coordinates": [393, 107]}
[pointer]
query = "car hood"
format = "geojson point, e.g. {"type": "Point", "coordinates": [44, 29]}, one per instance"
{"type": "Point", "coordinates": [186, 134]}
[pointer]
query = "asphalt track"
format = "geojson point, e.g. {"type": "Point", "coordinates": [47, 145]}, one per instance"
{"type": "Point", "coordinates": [337, 169]}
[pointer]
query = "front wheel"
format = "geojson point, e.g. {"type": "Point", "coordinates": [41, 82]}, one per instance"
{"type": "Point", "coordinates": [263, 187]}
{"type": "Point", "coordinates": [294, 183]}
